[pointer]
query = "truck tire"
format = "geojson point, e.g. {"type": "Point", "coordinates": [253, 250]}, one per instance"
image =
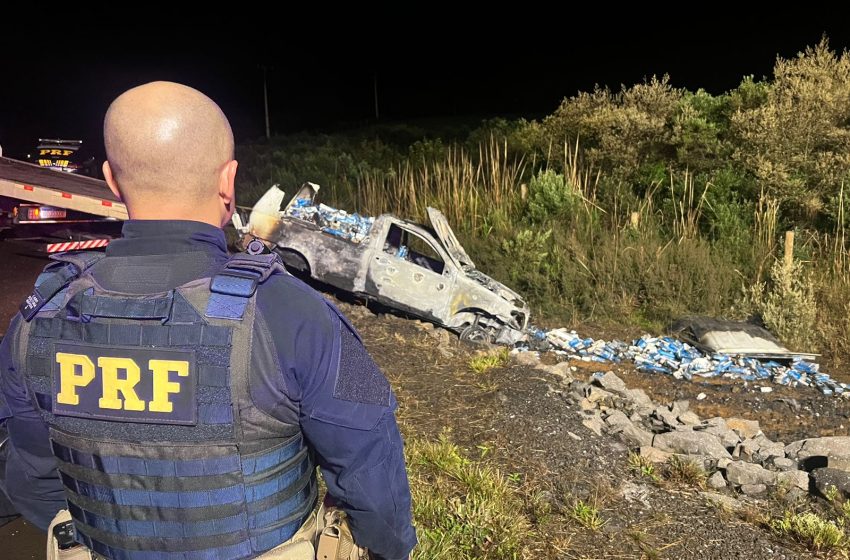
{"type": "Point", "coordinates": [294, 262]}
{"type": "Point", "coordinates": [476, 335]}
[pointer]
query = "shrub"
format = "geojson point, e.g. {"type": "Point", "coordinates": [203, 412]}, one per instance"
{"type": "Point", "coordinates": [620, 131]}
{"type": "Point", "coordinates": [797, 141]}
{"type": "Point", "coordinates": [787, 304]}
{"type": "Point", "coordinates": [551, 196]}
{"type": "Point", "coordinates": [811, 530]}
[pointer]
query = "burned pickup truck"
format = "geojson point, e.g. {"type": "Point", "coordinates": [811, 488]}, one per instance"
{"type": "Point", "coordinates": [417, 269]}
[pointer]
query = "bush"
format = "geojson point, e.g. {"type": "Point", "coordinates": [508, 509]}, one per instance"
{"type": "Point", "coordinates": [644, 204]}
{"type": "Point", "coordinates": [797, 141]}
{"type": "Point", "coordinates": [787, 304]}
{"type": "Point", "coordinates": [701, 131]}
{"type": "Point", "coordinates": [550, 196]}
{"type": "Point", "coordinates": [812, 530]}
{"type": "Point", "coordinates": [527, 262]}
{"type": "Point", "coordinates": [620, 132]}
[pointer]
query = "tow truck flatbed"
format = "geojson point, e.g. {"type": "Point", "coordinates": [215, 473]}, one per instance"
{"type": "Point", "coordinates": [24, 181]}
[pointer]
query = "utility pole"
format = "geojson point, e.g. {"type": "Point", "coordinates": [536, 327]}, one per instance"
{"type": "Point", "coordinates": [266, 100]}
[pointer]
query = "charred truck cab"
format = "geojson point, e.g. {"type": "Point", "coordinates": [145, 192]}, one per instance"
{"type": "Point", "coordinates": [419, 269]}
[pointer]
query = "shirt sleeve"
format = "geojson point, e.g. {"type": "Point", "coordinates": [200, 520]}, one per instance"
{"type": "Point", "coordinates": [31, 480]}
{"type": "Point", "coordinates": [347, 415]}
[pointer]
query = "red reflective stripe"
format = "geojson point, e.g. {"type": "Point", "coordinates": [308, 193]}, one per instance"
{"type": "Point", "coordinates": [66, 195]}
{"type": "Point", "coordinates": [57, 247]}
{"type": "Point", "coordinates": [77, 245]}
{"type": "Point", "coordinates": [27, 188]}
{"type": "Point", "coordinates": [106, 203]}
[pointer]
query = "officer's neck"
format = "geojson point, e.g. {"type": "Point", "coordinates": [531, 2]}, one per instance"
{"type": "Point", "coordinates": [211, 216]}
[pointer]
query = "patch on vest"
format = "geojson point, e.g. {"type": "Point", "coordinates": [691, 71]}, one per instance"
{"type": "Point", "coordinates": [359, 379]}
{"type": "Point", "coordinates": [31, 305]}
{"type": "Point", "coordinates": [150, 385]}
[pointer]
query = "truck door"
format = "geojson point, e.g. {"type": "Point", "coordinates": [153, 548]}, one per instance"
{"type": "Point", "coordinates": [408, 270]}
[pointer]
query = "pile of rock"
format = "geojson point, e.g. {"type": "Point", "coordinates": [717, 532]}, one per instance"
{"type": "Point", "coordinates": [734, 450]}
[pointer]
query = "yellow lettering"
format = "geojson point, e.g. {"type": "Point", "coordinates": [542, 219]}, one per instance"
{"type": "Point", "coordinates": [162, 387]}
{"type": "Point", "coordinates": [69, 379]}
{"type": "Point", "coordinates": [55, 152]}
{"type": "Point", "coordinates": [112, 385]}
{"type": "Point", "coordinates": [43, 152]}
{"type": "Point", "coordinates": [67, 152]}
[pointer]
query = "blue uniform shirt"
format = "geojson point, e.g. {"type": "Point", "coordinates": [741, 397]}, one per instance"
{"type": "Point", "coordinates": [326, 382]}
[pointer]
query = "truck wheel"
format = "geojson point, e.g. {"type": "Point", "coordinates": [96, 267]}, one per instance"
{"type": "Point", "coordinates": [475, 335]}
{"type": "Point", "coordinates": [295, 263]}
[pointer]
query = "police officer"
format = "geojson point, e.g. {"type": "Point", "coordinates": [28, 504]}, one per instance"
{"type": "Point", "coordinates": [176, 399]}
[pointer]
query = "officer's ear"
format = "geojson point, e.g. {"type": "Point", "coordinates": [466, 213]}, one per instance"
{"type": "Point", "coordinates": [110, 180]}
{"type": "Point", "coordinates": [227, 190]}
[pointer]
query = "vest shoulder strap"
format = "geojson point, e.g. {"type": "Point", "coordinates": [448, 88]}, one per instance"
{"type": "Point", "coordinates": [237, 282]}
{"type": "Point", "coordinates": [56, 276]}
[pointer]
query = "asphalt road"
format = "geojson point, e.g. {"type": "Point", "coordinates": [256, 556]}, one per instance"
{"type": "Point", "coordinates": [17, 275]}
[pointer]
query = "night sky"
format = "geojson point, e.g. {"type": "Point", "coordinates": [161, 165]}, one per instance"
{"type": "Point", "coordinates": [58, 81]}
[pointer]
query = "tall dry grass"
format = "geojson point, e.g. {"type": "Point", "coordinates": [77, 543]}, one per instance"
{"type": "Point", "coordinates": [470, 191]}
{"type": "Point", "coordinates": [586, 245]}
{"type": "Point", "coordinates": [648, 258]}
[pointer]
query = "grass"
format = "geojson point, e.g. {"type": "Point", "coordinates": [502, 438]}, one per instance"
{"type": "Point", "coordinates": [811, 530]}
{"type": "Point", "coordinates": [463, 508]}
{"type": "Point", "coordinates": [656, 213]}
{"type": "Point", "coordinates": [684, 471]}
{"type": "Point", "coordinates": [643, 467]}
{"type": "Point", "coordinates": [473, 188]}
{"type": "Point", "coordinates": [642, 539]}
{"type": "Point", "coordinates": [634, 207]}
{"type": "Point", "coordinates": [587, 515]}
{"type": "Point", "coordinates": [485, 361]}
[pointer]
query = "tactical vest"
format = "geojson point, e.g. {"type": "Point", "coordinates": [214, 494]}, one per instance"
{"type": "Point", "coordinates": [161, 451]}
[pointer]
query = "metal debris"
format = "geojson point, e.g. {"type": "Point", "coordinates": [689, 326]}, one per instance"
{"type": "Point", "coordinates": [733, 338]}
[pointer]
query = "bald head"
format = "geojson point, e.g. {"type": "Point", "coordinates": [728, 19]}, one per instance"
{"type": "Point", "coordinates": [167, 145]}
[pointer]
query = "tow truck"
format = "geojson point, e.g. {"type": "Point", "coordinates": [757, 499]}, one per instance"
{"type": "Point", "coordinates": [46, 210]}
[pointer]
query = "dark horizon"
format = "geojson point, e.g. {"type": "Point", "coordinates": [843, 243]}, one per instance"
{"type": "Point", "coordinates": [324, 81]}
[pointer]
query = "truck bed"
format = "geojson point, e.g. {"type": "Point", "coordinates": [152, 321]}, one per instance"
{"type": "Point", "coordinates": [32, 183]}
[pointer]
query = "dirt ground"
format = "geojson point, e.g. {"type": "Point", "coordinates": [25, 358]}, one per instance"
{"type": "Point", "coordinates": [532, 429]}
{"type": "Point", "coordinates": [526, 424]}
